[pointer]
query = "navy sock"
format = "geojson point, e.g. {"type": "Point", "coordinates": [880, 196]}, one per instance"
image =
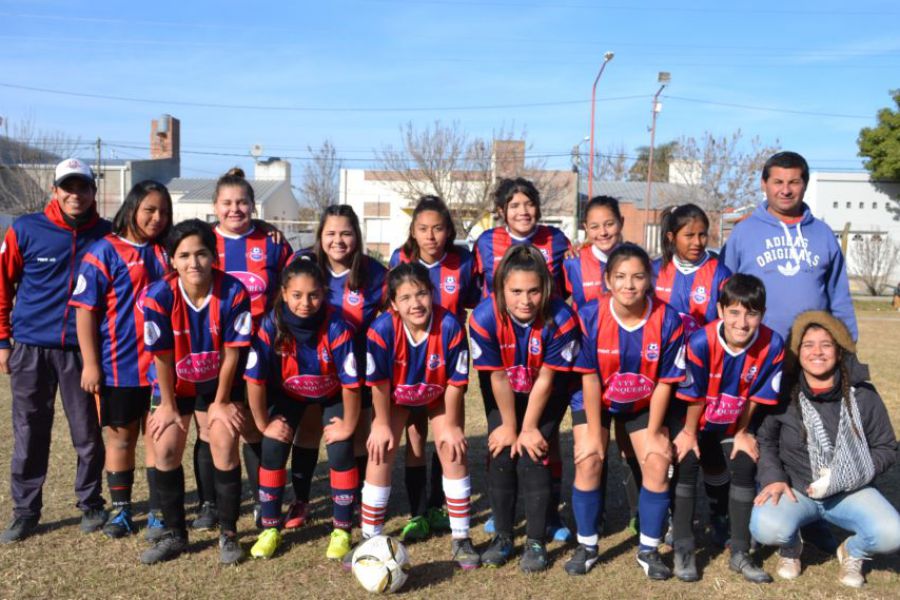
{"type": "Point", "coordinates": [343, 489]}
{"type": "Point", "coordinates": [653, 508]}
{"type": "Point", "coordinates": [587, 505]}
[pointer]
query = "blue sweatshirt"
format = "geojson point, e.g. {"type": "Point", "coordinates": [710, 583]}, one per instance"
{"type": "Point", "coordinates": [801, 266]}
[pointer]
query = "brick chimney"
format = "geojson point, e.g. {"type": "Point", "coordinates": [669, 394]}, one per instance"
{"type": "Point", "coordinates": [509, 157]}
{"type": "Point", "coordinates": [165, 137]}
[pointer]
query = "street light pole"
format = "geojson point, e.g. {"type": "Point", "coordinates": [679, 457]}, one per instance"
{"type": "Point", "coordinates": [576, 168]}
{"type": "Point", "coordinates": [663, 78]}
{"type": "Point", "coordinates": [608, 56]}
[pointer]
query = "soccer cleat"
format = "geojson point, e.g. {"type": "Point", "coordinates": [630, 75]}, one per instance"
{"type": "Point", "coordinates": [741, 562]}
{"type": "Point", "coordinates": [207, 517]}
{"type": "Point", "coordinates": [230, 552]}
{"type": "Point", "coordinates": [488, 526]}
{"type": "Point", "coordinates": [120, 525]}
{"type": "Point", "coordinates": [634, 525]}
{"type": "Point", "coordinates": [338, 545]}
{"type": "Point", "coordinates": [583, 560]}
{"type": "Point", "coordinates": [155, 527]}
{"type": "Point", "coordinates": [416, 529]}
{"type": "Point", "coordinates": [685, 565]}
{"type": "Point", "coordinates": [498, 551]}
{"type": "Point", "coordinates": [720, 530]}
{"type": "Point", "coordinates": [557, 530]}
{"type": "Point", "coordinates": [851, 573]}
{"type": "Point", "coordinates": [167, 547]}
{"type": "Point", "coordinates": [438, 519]}
{"type": "Point", "coordinates": [297, 515]}
{"type": "Point", "coordinates": [19, 529]}
{"type": "Point", "coordinates": [266, 544]}
{"type": "Point", "coordinates": [653, 565]}
{"type": "Point", "coordinates": [534, 557]}
{"type": "Point", "coordinates": [465, 554]}
{"type": "Point", "coordinates": [93, 519]}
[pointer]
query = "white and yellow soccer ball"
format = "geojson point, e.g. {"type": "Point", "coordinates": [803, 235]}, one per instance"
{"type": "Point", "coordinates": [381, 564]}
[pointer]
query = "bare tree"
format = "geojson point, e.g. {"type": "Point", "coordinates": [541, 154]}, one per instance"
{"type": "Point", "coordinates": [873, 258]}
{"type": "Point", "coordinates": [27, 161]}
{"type": "Point", "coordinates": [321, 174]}
{"type": "Point", "coordinates": [612, 165]}
{"type": "Point", "coordinates": [725, 169]}
{"type": "Point", "coordinates": [445, 161]}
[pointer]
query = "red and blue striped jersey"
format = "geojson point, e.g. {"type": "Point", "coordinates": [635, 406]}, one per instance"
{"type": "Point", "coordinates": [256, 260]}
{"type": "Point", "coordinates": [196, 335]}
{"type": "Point", "coordinates": [112, 281]}
{"type": "Point", "coordinates": [309, 372]}
{"type": "Point", "coordinates": [523, 348]}
{"type": "Point", "coordinates": [630, 360]}
{"type": "Point", "coordinates": [693, 295]}
{"type": "Point", "coordinates": [418, 373]}
{"type": "Point", "coordinates": [584, 275]}
{"type": "Point", "coordinates": [453, 278]}
{"type": "Point", "coordinates": [725, 380]}
{"type": "Point", "coordinates": [493, 244]}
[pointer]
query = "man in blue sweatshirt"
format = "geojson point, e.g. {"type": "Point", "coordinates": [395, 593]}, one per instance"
{"type": "Point", "coordinates": [795, 255]}
{"type": "Point", "coordinates": [39, 259]}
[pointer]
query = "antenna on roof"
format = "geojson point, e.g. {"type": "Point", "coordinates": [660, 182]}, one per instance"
{"type": "Point", "coordinates": [256, 150]}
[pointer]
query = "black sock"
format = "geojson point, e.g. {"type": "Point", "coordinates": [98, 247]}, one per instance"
{"type": "Point", "coordinates": [717, 495]}
{"type": "Point", "coordinates": [536, 494]}
{"type": "Point", "coordinates": [170, 486]}
{"type": "Point", "coordinates": [204, 472]}
{"type": "Point", "coordinates": [415, 489]}
{"type": "Point", "coordinates": [555, 468]}
{"type": "Point", "coordinates": [683, 516]}
{"type": "Point", "coordinates": [228, 498]}
{"type": "Point", "coordinates": [251, 452]}
{"type": "Point", "coordinates": [153, 499]}
{"type": "Point", "coordinates": [303, 466]}
{"type": "Point", "coordinates": [436, 497]}
{"type": "Point", "coordinates": [740, 505]}
{"type": "Point", "coordinates": [503, 490]}
{"type": "Point", "coordinates": [120, 484]}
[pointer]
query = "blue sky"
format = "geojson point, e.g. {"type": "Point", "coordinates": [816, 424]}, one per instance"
{"type": "Point", "coordinates": [367, 66]}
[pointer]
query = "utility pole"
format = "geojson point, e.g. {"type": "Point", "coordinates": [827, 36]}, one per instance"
{"type": "Point", "coordinates": [608, 56]}
{"type": "Point", "coordinates": [663, 78]}
{"type": "Point", "coordinates": [99, 176]}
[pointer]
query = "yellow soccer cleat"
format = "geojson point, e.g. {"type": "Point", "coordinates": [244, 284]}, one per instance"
{"type": "Point", "coordinates": [339, 544]}
{"type": "Point", "coordinates": [266, 544]}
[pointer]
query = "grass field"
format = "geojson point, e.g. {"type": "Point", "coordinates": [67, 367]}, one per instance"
{"type": "Point", "coordinates": [60, 562]}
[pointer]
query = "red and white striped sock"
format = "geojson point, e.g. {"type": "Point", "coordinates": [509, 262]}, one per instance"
{"type": "Point", "coordinates": [458, 492]}
{"type": "Point", "coordinates": [374, 506]}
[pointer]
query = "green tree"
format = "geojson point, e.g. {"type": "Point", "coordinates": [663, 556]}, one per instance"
{"type": "Point", "coordinates": [880, 145]}
{"type": "Point", "coordinates": [662, 155]}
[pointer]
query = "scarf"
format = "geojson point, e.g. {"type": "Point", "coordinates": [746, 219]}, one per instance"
{"type": "Point", "coordinates": [303, 329]}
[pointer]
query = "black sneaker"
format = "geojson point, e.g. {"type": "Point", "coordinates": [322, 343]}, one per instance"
{"type": "Point", "coordinates": [19, 529]}
{"type": "Point", "coordinates": [119, 525]}
{"type": "Point", "coordinates": [742, 563]}
{"type": "Point", "coordinates": [498, 551]}
{"type": "Point", "coordinates": [207, 517]}
{"type": "Point", "coordinates": [685, 563]}
{"type": "Point", "coordinates": [583, 560]}
{"type": "Point", "coordinates": [653, 565]}
{"type": "Point", "coordinates": [465, 554]}
{"type": "Point", "coordinates": [93, 519]}
{"type": "Point", "coordinates": [534, 557]}
{"type": "Point", "coordinates": [169, 546]}
{"type": "Point", "coordinates": [230, 552]}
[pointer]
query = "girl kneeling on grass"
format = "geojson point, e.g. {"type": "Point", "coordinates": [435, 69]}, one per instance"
{"type": "Point", "coordinates": [302, 356]}
{"type": "Point", "coordinates": [418, 361]}
{"type": "Point", "coordinates": [197, 320]}
{"type": "Point", "coordinates": [523, 344]}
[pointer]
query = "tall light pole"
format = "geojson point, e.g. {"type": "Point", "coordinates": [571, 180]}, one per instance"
{"type": "Point", "coordinates": [663, 79]}
{"type": "Point", "coordinates": [608, 56]}
{"type": "Point", "coordinates": [576, 168]}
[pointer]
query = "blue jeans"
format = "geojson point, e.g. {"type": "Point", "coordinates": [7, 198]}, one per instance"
{"type": "Point", "coordinates": [873, 520]}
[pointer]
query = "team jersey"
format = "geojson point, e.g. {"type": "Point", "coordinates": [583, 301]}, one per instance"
{"type": "Point", "coordinates": [197, 335]}
{"type": "Point", "coordinates": [453, 278]}
{"type": "Point", "coordinates": [693, 294]}
{"type": "Point", "coordinates": [418, 373]}
{"type": "Point", "coordinates": [493, 244]}
{"type": "Point", "coordinates": [305, 372]}
{"type": "Point", "coordinates": [725, 380]}
{"type": "Point", "coordinates": [256, 260]}
{"type": "Point", "coordinates": [630, 361]}
{"type": "Point", "coordinates": [584, 275]}
{"type": "Point", "coordinates": [112, 281]}
{"type": "Point", "coordinates": [521, 349]}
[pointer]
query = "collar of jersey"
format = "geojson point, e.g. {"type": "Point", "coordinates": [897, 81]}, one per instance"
{"type": "Point", "coordinates": [409, 337]}
{"type": "Point", "coordinates": [643, 320]}
{"type": "Point", "coordinates": [187, 298]}
{"type": "Point", "coordinates": [523, 325]}
{"type": "Point", "coordinates": [728, 349]}
{"type": "Point", "coordinates": [599, 254]}
{"type": "Point", "coordinates": [232, 236]}
{"type": "Point", "coordinates": [521, 239]}
{"type": "Point", "coordinates": [435, 263]}
{"type": "Point", "coordinates": [687, 267]}
{"type": "Point", "coordinates": [338, 275]}
{"type": "Point", "coordinates": [130, 243]}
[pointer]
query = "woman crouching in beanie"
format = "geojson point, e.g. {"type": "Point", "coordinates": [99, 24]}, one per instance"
{"type": "Point", "coordinates": [820, 450]}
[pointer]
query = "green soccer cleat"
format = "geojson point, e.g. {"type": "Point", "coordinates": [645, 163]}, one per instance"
{"type": "Point", "coordinates": [339, 545]}
{"type": "Point", "coordinates": [417, 529]}
{"type": "Point", "coordinates": [266, 544]}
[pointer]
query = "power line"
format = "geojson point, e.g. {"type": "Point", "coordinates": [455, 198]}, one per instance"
{"type": "Point", "coordinates": [769, 108]}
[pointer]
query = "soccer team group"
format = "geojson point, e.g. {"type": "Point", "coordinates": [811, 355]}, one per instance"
{"type": "Point", "coordinates": [152, 325]}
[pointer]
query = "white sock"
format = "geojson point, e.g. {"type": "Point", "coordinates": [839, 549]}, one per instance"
{"type": "Point", "coordinates": [374, 506]}
{"type": "Point", "coordinates": [458, 493]}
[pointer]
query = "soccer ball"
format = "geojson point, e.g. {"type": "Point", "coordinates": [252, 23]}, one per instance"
{"type": "Point", "coordinates": [380, 564]}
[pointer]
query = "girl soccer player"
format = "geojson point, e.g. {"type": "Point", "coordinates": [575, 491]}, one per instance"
{"type": "Point", "coordinates": [631, 355]}
{"type": "Point", "coordinates": [418, 361]}
{"type": "Point", "coordinates": [524, 342]}
{"type": "Point", "coordinates": [108, 297]}
{"type": "Point", "coordinates": [734, 364]}
{"type": "Point", "coordinates": [583, 274]}
{"type": "Point", "coordinates": [197, 320]}
{"type": "Point", "coordinates": [450, 268]}
{"type": "Point", "coordinates": [246, 250]}
{"type": "Point", "coordinates": [306, 351]}
{"type": "Point", "coordinates": [356, 291]}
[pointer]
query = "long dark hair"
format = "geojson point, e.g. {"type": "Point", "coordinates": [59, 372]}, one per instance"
{"type": "Point", "coordinates": [523, 257]}
{"type": "Point", "coordinates": [411, 247]}
{"type": "Point", "coordinates": [126, 216]}
{"type": "Point", "coordinates": [301, 266]}
{"type": "Point", "coordinates": [674, 218]}
{"type": "Point", "coordinates": [358, 271]}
